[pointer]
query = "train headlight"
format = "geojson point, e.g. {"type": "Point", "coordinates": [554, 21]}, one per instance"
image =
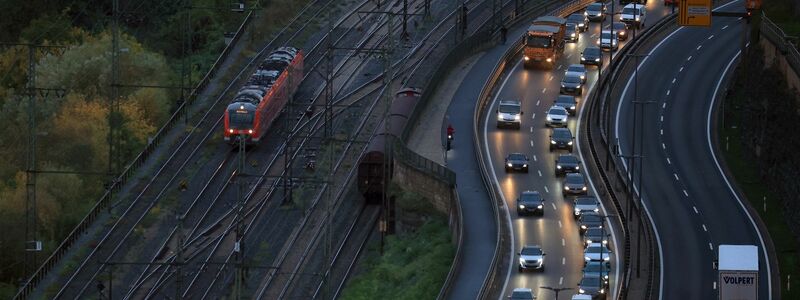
{"type": "Point", "coordinates": [549, 59]}
{"type": "Point", "coordinates": [230, 130]}
{"type": "Point", "coordinates": [526, 58]}
{"type": "Point", "coordinates": [250, 131]}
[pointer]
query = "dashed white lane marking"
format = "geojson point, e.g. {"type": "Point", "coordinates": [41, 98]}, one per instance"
{"type": "Point", "coordinates": [695, 207]}
{"type": "Point", "coordinates": [537, 102]}
{"type": "Point", "coordinates": [662, 131]}
{"type": "Point", "coordinates": [747, 45]}
{"type": "Point", "coordinates": [534, 157]}
{"type": "Point", "coordinates": [712, 36]}
{"type": "Point", "coordinates": [676, 176]}
{"type": "Point", "coordinates": [699, 46]}
{"type": "Point", "coordinates": [680, 70]}
{"type": "Point", "coordinates": [546, 190]}
{"type": "Point", "coordinates": [690, 58]}
{"type": "Point", "coordinates": [559, 224]}
{"type": "Point", "coordinates": [662, 118]}
{"type": "Point", "coordinates": [540, 171]}
{"type": "Point", "coordinates": [663, 146]}
{"type": "Point", "coordinates": [668, 161]}
{"type": "Point", "coordinates": [726, 26]}
{"type": "Point", "coordinates": [563, 260]}
{"type": "Point", "coordinates": [554, 206]}
{"type": "Point", "coordinates": [715, 283]}
{"type": "Point", "coordinates": [667, 92]}
{"type": "Point", "coordinates": [531, 143]}
{"type": "Point", "coordinates": [673, 80]}
{"type": "Point", "coordinates": [559, 66]}
{"type": "Point", "coordinates": [569, 55]}
{"type": "Point", "coordinates": [561, 281]}
{"type": "Point", "coordinates": [704, 228]}
{"type": "Point", "coordinates": [544, 90]}
{"type": "Point", "coordinates": [739, 18]}
{"type": "Point", "coordinates": [710, 246]}
{"type": "Point", "coordinates": [687, 195]}
{"type": "Point", "coordinates": [563, 242]}
{"type": "Point", "coordinates": [551, 77]}
{"type": "Point", "coordinates": [531, 129]}
{"type": "Point", "coordinates": [663, 105]}
{"type": "Point", "coordinates": [533, 116]}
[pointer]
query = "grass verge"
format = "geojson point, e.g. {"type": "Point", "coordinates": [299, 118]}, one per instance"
{"type": "Point", "coordinates": [413, 266]}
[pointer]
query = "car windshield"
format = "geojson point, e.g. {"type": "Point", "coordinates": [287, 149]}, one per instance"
{"type": "Point", "coordinates": [557, 111]}
{"type": "Point", "coordinates": [590, 218]}
{"type": "Point", "coordinates": [538, 41]}
{"type": "Point", "coordinates": [574, 178]}
{"type": "Point", "coordinates": [241, 119]}
{"type": "Point", "coordinates": [530, 197]}
{"type": "Point", "coordinates": [606, 35]}
{"type": "Point", "coordinates": [521, 295]}
{"type": "Point", "coordinates": [568, 159]}
{"type": "Point", "coordinates": [531, 251]}
{"type": "Point", "coordinates": [572, 79]}
{"type": "Point", "coordinates": [596, 249]}
{"type": "Point", "coordinates": [576, 68]}
{"type": "Point", "coordinates": [630, 11]}
{"type": "Point", "coordinates": [586, 201]}
{"type": "Point", "coordinates": [590, 282]}
{"type": "Point", "coordinates": [594, 232]}
{"type": "Point", "coordinates": [565, 99]}
{"type": "Point", "coordinates": [594, 7]}
{"type": "Point", "coordinates": [508, 109]}
{"type": "Point", "coordinates": [516, 156]}
{"type": "Point", "coordinates": [575, 18]}
{"type": "Point", "coordinates": [562, 133]}
{"type": "Point", "coordinates": [620, 26]}
{"type": "Point", "coordinates": [592, 51]}
{"type": "Point", "coordinates": [595, 267]}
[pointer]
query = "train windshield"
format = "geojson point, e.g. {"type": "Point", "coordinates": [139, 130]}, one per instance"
{"type": "Point", "coordinates": [538, 41]}
{"type": "Point", "coordinates": [241, 119]}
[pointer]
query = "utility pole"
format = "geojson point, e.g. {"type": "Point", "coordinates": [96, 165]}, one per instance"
{"type": "Point", "coordinates": [114, 117]}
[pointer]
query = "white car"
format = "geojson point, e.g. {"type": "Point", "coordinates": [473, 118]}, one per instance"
{"type": "Point", "coordinates": [509, 113]}
{"type": "Point", "coordinates": [531, 257]}
{"type": "Point", "coordinates": [634, 14]}
{"type": "Point", "coordinates": [576, 70]}
{"type": "Point", "coordinates": [608, 40]}
{"type": "Point", "coordinates": [596, 252]}
{"type": "Point", "coordinates": [522, 294]}
{"type": "Point", "coordinates": [556, 117]}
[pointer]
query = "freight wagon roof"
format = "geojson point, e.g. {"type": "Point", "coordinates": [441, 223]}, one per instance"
{"type": "Point", "coordinates": [551, 19]}
{"type": "Point", "coordinates": [543, 28]}
{"type": "Point", "coordinates": [738, 258]}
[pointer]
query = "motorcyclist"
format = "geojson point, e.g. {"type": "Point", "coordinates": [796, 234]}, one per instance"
{"type": "Point", "coordinates": [450, 131]}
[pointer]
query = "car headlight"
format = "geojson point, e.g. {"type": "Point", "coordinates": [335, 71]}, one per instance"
{"type": "Point", "coordinates": [562, 85]}
{"type": "Point", "coordinates": [584, 188]}
{"type": "Point", "coordinates": [583, 226]}
{"type": "Point", "coordinates": [602, 291]}
{"type": "Point", "coordinates": [577, 211]}
{"type": "Point", "coordinates": [577, 167]}
{"type": "Point", "coordinates": [521, 206]}
{"type": "Point", "coordinates": [583, 77]}
{"type": "Point", "coordinates": [577, 87]}
{"type": "Point", "coordinates": [526, 58]}
{"type": "Point", "coordinates": [549, 118]}
{"type": "Point", "coordinates": [637, 18]}
{"type": "Point", "coordinates": [558, 167]}
{"type": "Point", "coordinates": [605, 242]}
{"type": "Point", "coordinates": [552, 142]}
{"type": "Point", "coordinates": [566, 188]}
{"type": "Point", "coordinates": [586, 258]}
{"type": "Point", "coordinates": [597, 59]}
{"type": "Point", "coordinates": [499, 116]}
{"type": "Point", "coordinates": [524, 165]}
{"type": "Point", "coordinates": [549, 59]}
{"type": "Point", "coordinates": [572, 34]}
{"type": "Point", "coordinates": [516, 117]}
{"type": "Point", "coordinates": [569, 143]}
{"type": "Point", "coordinates": [606, 277]}
{"type": "Point", "coordinates": [581, 291]}
{"type": "Point", "coordinates": [622, 33]}
{"type": "Point", "coordinates": [508, 164]}
{"type": "Point", "coordinates": [607, 258]}
{"type": "Point", "coordinates": [596, 209]}
{"type": "Point", "coordinates": [539, 206]}
{"type": "Point", "coordinates": [588, 242]}
{"type": "Point", "coordinates": [583, 58]}
{"type": "Point", "coordinates": [598, 42]}
{"type": "Point", "coordinates": [585, 13]}
{"type": "Point", "coordinates": [521, 261]}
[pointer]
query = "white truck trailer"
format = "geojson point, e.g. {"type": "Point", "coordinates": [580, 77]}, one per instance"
{"type": "Point", "coordinates": [738, 272]}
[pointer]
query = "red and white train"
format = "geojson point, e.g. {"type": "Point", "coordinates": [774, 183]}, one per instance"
{"type": "Point", "coordinates": [259, 102]}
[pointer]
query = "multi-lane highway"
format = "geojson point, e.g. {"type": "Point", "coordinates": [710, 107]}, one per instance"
{"type": "Point", "coordinates": [556, 231]}
{"type": "Point", "coordinates": [691, 203]}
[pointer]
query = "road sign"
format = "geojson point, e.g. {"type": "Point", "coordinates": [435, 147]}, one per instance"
{"type": "Point", "coordinates": [694, 13]}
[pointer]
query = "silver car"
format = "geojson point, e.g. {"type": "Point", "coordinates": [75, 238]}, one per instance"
{"type": "Point", "coordinates": [574, 184]}
{"type": "Point", "coordinates": [509, 113]}
{"type": "Point", "coordinates": [522, 294]}
{"type": "Point", "coordinates": [596, 252]}
{"type": "Point", "coordinates": [556, 117]}
{"type": "Point", "coordinates": [576, 70]}
{"type": "Point", "coordinates": [608, 40]}
{"type": "Point", "coordinates": [586, 204]}
{"type": "Point", "coordinates": [531, 257]}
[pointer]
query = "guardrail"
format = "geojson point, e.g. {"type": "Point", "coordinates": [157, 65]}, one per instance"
{"type": "Point", "coordinates": [422, 163]}
{"type": "Point", "coordinates": [455, 266]}
{"type": "Point", "coordinates": [778, 37]}
{"type": "Point", "coordinates": [126, 174]}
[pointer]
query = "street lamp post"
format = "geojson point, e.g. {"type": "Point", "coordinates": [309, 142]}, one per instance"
{"type": "Point", "coordinates": [556, 290]}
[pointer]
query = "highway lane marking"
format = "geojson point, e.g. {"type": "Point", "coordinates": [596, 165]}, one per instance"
{"type": "Point", "coordinates": [704, 228]}
{"type": "Point", "coordinates": [739, 18]}
{"type": "Point", "coordinates": [534, 156]}
{"type": "Point", "coordinates": [551, 77]}
{"type": "Point", "coordinates": [710, 246]}
{"type": "Point", "coordinates": [747, 45]}
{"type": "Point", "coordinates": [715, 283]}
{"type": "Point", "coordinates": [544, 90]}
{"type": "Point", "coordinates": [699, 46]}
{"type": "Point", "coordinates": [533, 117]}
{"type": "Point", "coordinates": [662, 131]}
{"type": "Point", "coordinates": [563, 260]}
{"type": "Point", "coordinates": [681, 70]}
{"type": "Point", "coordinates": [664, 105]}
{"type": "Point", "coordinates": [559, 223]}
{"type": "Point", "coordinates": [531, 129]}
{"type": "Point", "coordinates": [561, 281]}
{"type": "Point", "coordinates": [667, 92]}
{"type": "Point", "coordinates": [726, 26]}
{"type": "Point", "coordinates": [676, 176]}
{"type": "Point", "coordinates": [563, 242]}
{"type": "Point", "coordinates": [546, 190]}
{"type": "Point", "coordinates": [690, 58]}
{"type": "Point", "coordinates": [673, 79]}
{"type": "Point", "coordinates": [540, 171]}
{"type": "Point", "coordinates": [695, 207]}
{"type": "Point", "coordinates": [687, 195]}
{"type": "Point", "coordinates": [531, 143]}
{"type": "Point", "coordinates": [537, 102]}
{"type": "Point", "coordinates": [559, 66]}
{"type": "Point", "coordinates": [663, 146]}
{"type": "Point", "coordinates": [668, 162]}
{"type": "Point", "coordinates": [662, 118]}
{"type": "Point", "coordinates": [554, 206]}
{"type": "Point", "coordinates": [569, 55]}
{"type": "Point", "coordinates": [712, 36]}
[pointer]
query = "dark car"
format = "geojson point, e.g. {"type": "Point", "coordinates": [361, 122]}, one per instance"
{"type": "Point", "coordinates": [597, 269]}
{"type": "Point", "coordinates": [595, 12]}
{"type": "Point", "coordinates": [621, 29]}
{"type": "Point", "coordinates": [579, 19]}
{"type": "Point", "coordinates": [585, 204]}
{"type": "Point", "coordinates": [572, 85]}
{"type": "Point", "coordinates": [592, 56]}
{"type": "Point", "coordinates": [516, 161]}
{"type": "Point", "coordinates": [572, 34]}
{"type": "Point", "coordinates": [592, 285]}
{"type": "Point", "coordinates": [568, 102]}
{"type": "Point", "coordinates": [574, 184]}
{"type": "Point", "coordinates": [561, 138]}
{"type": "Point", "coordinates": [567, 163]}
{"type": "Point", "coordinates": [595, 235]}
{"type": "Point", "coordinates": [530, 202]}
{"type": "Point", "coordinates": [590, 220]}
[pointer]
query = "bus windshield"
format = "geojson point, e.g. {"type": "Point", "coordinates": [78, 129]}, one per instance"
{"type": "Point", "coordinates": [538, 41]}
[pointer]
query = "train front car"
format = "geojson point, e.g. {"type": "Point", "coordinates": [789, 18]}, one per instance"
{"type": "Point", "coordinates": [261, 99]}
